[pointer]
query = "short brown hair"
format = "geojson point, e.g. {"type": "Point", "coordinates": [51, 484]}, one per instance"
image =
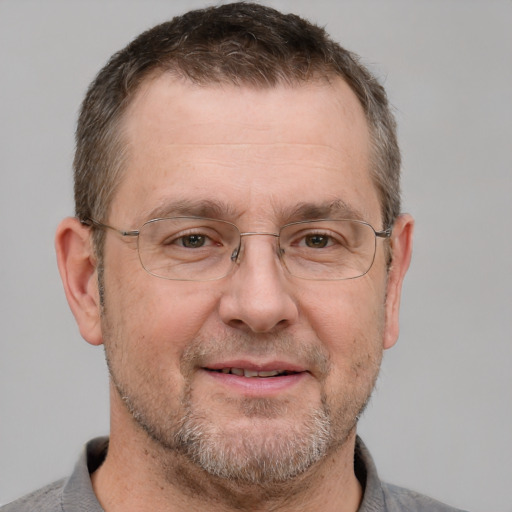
{"type": "Point", "coordinates": [239, 43]}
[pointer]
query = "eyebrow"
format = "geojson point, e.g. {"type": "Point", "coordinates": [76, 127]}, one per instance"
{"type": "Point", "coordinates": [192, 208]}
{"type": "Point", "coordinates": [334, 209]}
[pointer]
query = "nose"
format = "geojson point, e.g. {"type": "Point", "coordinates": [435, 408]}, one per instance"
{"type": "Point", "coordinates": [258, 295]}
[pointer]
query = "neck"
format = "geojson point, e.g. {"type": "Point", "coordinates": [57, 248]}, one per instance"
{"type": "Point", "coordinates": [139, 475]}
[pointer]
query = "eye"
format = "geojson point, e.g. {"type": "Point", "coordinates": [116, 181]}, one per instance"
{"type": "Point", "coordinates": [193, 241]}
{"type": "Point", "coordinates": [317, 240]}
{"type": "Point", "coordinates": [194, 238]}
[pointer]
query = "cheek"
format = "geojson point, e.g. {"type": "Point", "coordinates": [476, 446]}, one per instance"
{"type": "Point", "coordinates": [348, 320]}
{"type": "Point", "coordinates": [156, 319]}
{"type": "Point", "coordinates": [337, 308]}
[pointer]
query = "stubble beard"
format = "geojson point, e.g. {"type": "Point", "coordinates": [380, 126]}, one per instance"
{"type": "Point", "coordinates": [253, 457]}
{"type": "Point", "coordinates": [248, 456]}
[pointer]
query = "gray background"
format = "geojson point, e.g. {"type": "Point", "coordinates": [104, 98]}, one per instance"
{"type": "Point", "coordinates": [441, 419]}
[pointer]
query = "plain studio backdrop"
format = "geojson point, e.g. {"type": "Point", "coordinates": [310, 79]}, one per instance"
{"type": "Point", "coordinates": [440, 420]}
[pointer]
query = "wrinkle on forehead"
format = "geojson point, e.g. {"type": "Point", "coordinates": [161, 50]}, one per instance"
{"type": "Point", "coordinates": [273, 153]}
{"type": "Point", "coordinates": [276, 154]}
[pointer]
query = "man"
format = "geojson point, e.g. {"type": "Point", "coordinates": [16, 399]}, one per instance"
{"type": "Point", "coordinates": [239, 250]}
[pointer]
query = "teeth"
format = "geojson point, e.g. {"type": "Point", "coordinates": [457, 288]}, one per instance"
{"type": "Point", "coordinates": [241, 372]}
{"type": "Point", "coordinates": [272, 373]}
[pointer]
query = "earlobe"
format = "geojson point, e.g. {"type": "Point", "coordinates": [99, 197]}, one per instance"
{"type": "Point", "coordinates": [77, 267]}
{"type": "Point", "coordinates": [401, 246]}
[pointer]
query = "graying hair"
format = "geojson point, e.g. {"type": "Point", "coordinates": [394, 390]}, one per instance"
{"type": "Point", "coordinates": [240, 43]}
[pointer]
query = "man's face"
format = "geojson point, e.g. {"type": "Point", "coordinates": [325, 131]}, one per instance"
{"type": "Point", "coordinates": [251, 157]}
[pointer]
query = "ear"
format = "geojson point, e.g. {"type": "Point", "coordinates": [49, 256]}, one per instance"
{"type": "Point", "coordinates": [77, 267]}
{"type": "Point", "coordinates": [401, 247]}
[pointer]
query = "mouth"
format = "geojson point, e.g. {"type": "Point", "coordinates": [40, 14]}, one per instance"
{"type": "Point", "coordinates": [245, 372]}
{"type": "Point", "coordinates": [269, 379]}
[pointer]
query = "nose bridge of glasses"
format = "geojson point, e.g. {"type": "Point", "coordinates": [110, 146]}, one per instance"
{"type": "Point", "coordinates": [237, 252]}
{"type": "Point", "coordinates": [264, 233]}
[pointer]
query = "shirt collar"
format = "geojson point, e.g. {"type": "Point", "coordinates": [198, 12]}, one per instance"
{"type": "Point", "coordinates": [78, 494]}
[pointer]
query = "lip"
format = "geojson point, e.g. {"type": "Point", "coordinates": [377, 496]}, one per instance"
{"type": "Point", "coordinates": [256, 386]}
{"type": "Point", "coordinates": [257, 367]}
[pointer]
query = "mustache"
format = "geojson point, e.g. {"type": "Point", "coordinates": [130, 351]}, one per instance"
{"type": "Point", "coordinates": [283, 347]}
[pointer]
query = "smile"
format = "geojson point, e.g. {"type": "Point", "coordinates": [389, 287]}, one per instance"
{"type": "Point", "coordinates": [243, 372]}
{"type": "Point", "coordinates": [256, 378]}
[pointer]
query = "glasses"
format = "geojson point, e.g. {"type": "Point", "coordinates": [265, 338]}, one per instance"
{"type": "Point", "coordinates": [202, 249]}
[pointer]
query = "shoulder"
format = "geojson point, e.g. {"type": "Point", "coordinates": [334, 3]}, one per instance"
{"type": "Point", "coordinates": [46, 499]}
{"type": "Point", "coordinates": [379, 495]}
{"type": "Point", "coordinates": [400, 499]}
{"type": "Point", "coordinates": [72, 494]}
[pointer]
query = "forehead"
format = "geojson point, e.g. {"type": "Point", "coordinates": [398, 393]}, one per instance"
{"type": "Point", "coordinates": [256, 147]}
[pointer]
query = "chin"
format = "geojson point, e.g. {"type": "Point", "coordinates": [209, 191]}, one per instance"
{"type": "Point", "coordinates": [262, 447]}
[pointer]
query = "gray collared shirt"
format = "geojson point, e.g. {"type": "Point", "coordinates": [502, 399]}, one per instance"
{"type": "Point", "coordinates": [75, 494]}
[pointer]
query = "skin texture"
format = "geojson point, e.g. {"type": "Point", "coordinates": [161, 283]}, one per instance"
{"type": "Point", "coordinates": [257, 155]}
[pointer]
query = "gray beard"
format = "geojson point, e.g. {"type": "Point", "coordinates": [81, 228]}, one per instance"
{"type": "Point", "coordinates": [246, 456]}
{"type": "Point", "coordinates": [242, 458]}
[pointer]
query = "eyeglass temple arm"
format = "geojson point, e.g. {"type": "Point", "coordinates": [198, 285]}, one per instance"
{"type": "Point", "coordinates": [94, 223]}
{"type": "Point", "coordinates": [384, 234]}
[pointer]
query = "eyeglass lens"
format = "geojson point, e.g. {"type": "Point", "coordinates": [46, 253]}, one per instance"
{"type": "Point", "coordinates": [197, 249]}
